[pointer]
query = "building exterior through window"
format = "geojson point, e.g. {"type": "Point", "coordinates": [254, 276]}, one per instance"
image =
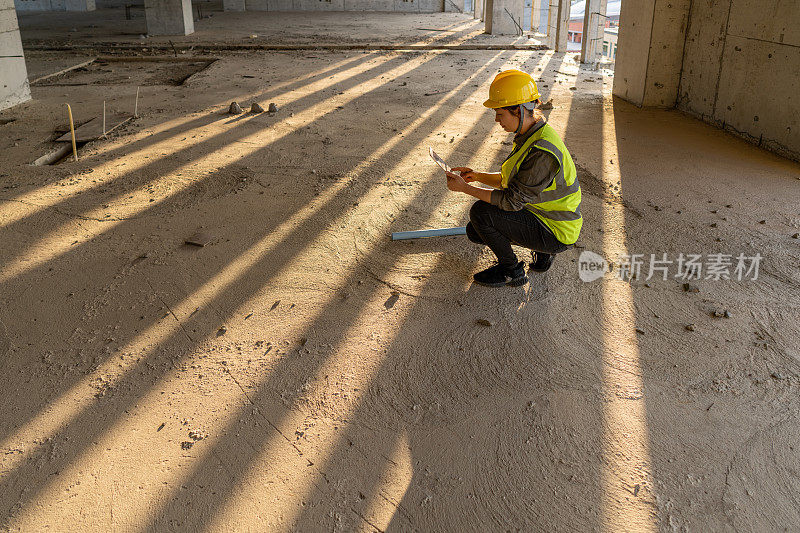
{"type": "Point", "coordinates": [575, 31]}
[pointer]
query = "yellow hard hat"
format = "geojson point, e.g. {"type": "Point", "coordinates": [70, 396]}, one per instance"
{"type": "Point", "coordinates": [511, 87]}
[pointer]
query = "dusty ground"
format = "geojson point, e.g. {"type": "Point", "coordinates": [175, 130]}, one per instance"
{"type": "Point", "coordinates": [303, 372]}
{"type": "Point", "coordinates": [253, 28]}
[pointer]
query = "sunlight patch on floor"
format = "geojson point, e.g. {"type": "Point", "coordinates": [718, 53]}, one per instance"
{"type": "Point", "coordinates": [71, 404]}
{"type": "Point", "coordinates": [41, 198]}
{"type": "Point", "coordinates": [61, 240]}
{"type": "Point", "coordinates": [47, 196]}
{"type": "Point", "coordinates": [625, 476]}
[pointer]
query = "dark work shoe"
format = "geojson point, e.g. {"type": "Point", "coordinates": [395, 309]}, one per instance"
{"type": "Point", "coordinates": [541, 261]}
{"type": "Point", "coordinates": [498, 275]}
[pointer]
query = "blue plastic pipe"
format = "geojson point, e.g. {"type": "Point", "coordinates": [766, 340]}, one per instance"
{"type": "Point", "coordinates": [423, 233]}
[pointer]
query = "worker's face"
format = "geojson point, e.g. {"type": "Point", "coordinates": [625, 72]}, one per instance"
{"type": "Point", "coordinates": [507, 120]}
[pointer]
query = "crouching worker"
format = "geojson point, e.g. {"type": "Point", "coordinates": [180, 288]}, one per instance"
{"type": "Point", "coordinates": [535, 198]}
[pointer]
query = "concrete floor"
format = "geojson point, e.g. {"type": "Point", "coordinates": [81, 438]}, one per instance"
{"type": "Point", "coordinates": [255, 28]}
{"type": "Point", "coordinates": [302, 372]}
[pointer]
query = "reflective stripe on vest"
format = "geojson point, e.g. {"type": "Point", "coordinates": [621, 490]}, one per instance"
{"type": "Point", "coordinates": [555, 215]}
{"type": "Point", "coordinates": [558, 205]}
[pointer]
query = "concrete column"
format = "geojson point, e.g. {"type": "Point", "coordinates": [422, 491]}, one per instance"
{"type": "Point", "coordinates": [562, 28]}
{"type": "Point", "coordinates": [536, 15]}
{"type": "Point", "coordinates": [552, 23]}
{"type": "Point", "coordinates": [169, 17]}
{"type": "Point", "coordinates": [233, 5]}
{"type": "Point", "coordinates": [14, 87]}
{"type": "Point", "coordinates": [594, 23]}
{"type": "Point", "coordinates": [501, 22]}
{"type": "Point", "coordinates": [480, 6]}
{"type": "Point", "coordinates": [652, 34]}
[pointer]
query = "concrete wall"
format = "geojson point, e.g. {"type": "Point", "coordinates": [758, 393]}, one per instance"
{"type": "Point", "coordinates": [405, 6]}
{"type": "Point", "coordinates": [733, 63]}
{"type": "Point", "coordinates": [108, 4]}
{"type": "Point", "coordinates": [233, 5]}
{"type": "Point", "coordinates": [14, 87]}
{"type": "Point", "coordinates": [741, 70]}
{"type": "Point", "coordinates": [55, 5]}
{"type": "Point", "coordinates": [454, 6]}
{"type": "Point", "coordinates": [651, 39]}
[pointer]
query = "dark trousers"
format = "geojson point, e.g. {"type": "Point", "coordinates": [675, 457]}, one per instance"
{"type": "Point", "coordinates": [498, 229]}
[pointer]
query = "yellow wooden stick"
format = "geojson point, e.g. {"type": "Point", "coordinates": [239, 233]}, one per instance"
{"type": "Point", "coordinates": [72, 130]}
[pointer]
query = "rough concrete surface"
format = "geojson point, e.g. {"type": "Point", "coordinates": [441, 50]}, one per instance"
{"type": "Point", "coordinates": [729, 63]}
{"type": "Point", "coordinates": [666, 52]}
{"type": "Point", "coordinates": [169, 17]}
{"type": "Point", "coordinates": [302, 372]}
{"type": "Point", "coordinates": [110, 26]}
{"type": "Point", "coordinates": [635, 38]}
{"type": "Point", "coordinates": [13, 77]}
{"type": "Point", "coordinates": [653, 37]}
{"type": "Point", "coordinates": [740, 61]}
{"type": "Point", "coordinates": [503, 21]}
{"type": "Point", "coordinates": [55, 5]}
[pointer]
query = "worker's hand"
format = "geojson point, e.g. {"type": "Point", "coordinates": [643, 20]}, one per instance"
{"type": "Point", "coordinates": [467, 173]}
{"type": "Point", "coordinates": [455, 182]}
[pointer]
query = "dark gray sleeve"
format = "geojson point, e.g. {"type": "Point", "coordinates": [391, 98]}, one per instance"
{"type": "Point", "coordinates": [535, 174]}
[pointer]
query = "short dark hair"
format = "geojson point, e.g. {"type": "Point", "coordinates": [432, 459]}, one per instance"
{"type": "Point", "coordinates": [537, 115]}
{"type": "Point", "coordinates": [515, 108]}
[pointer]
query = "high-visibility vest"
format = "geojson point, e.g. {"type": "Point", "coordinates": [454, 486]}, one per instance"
{"type": "Point", "coordinates": [558, 206]}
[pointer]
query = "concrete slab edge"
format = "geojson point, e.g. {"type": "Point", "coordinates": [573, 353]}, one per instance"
{"type": "Point", "coordinates": [63, 71]}
{"type": "Point", "coordinates": [280, 47]}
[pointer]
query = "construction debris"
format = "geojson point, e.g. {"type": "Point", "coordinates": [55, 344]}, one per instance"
{"type": "Point", "coordinates": [197, 434]}
{"type": "Point", "coordinates": [93, 130]}
{"type": "Point", "coordinates": [388, 304]}
{"type": "Point", "coordinates": [201, 238]}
